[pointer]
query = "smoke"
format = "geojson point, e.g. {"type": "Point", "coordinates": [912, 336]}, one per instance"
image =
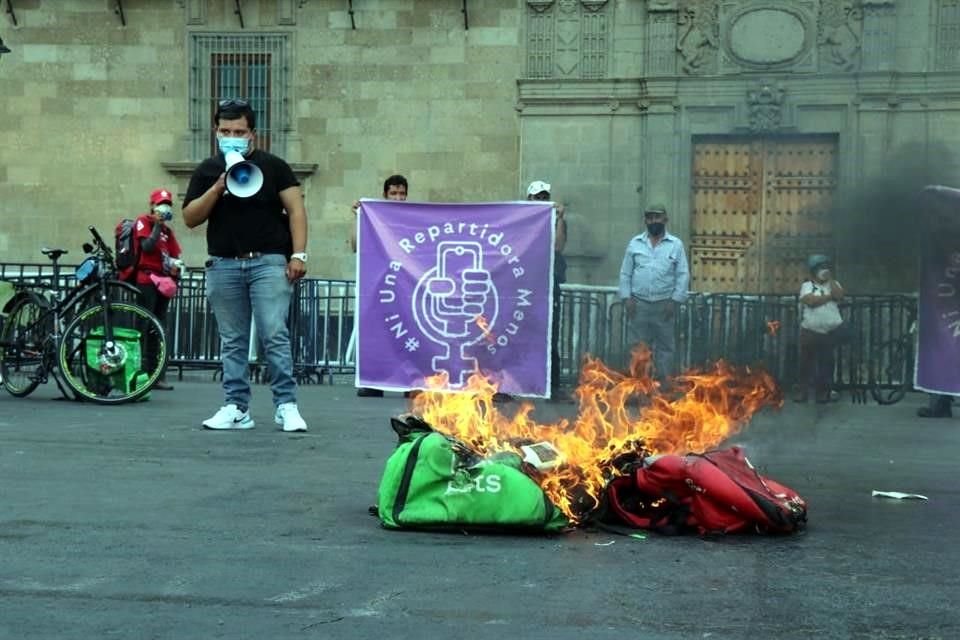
{"type": "Point", "coordinates": [878, 226]}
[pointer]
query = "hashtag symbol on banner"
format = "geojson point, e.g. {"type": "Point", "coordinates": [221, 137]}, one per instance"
{"type": "Point", "coordinates": [411, 345]}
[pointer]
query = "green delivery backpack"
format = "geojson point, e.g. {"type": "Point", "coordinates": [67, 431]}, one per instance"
{"type": "Point", "coordinates": [432, 481]}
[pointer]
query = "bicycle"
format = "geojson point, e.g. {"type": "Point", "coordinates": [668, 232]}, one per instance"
{"type": "Point", "coordinates": [96, 338]}
{"type": "Point", "coordinates": [895, 360]}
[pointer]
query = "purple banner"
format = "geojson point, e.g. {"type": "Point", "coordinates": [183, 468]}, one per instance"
{"type": "Point", "coordinates": [938, 353]}
{"type": "Point", "coordinates": [454, 288]}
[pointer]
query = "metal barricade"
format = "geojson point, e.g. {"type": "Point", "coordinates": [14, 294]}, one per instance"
{"type": "Point", "coordinates": [742, 329]}
{"type": "Point", "coordinates": [321, 322]}
{"type": "Point", "coordinates": [193, 340]}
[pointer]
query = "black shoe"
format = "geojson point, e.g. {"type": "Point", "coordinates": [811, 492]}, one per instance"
{"type": "Point", "coordinates": [162, 385]}
{"type": "Point", "coordinates": [366, 392]}
{"type": "Point", "coordinates": [926, 412]}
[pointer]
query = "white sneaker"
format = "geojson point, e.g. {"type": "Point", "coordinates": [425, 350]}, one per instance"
{"type": "Point", "coordinates": [289, 416]}
{"type": "Point", "coordinates": [229, 417]}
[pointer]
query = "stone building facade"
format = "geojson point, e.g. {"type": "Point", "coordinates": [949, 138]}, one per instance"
{"type": "Point", "coordinates": [98, 108]}
{"type": "Point", "coordinates": [748, 118]}
{"type": "Point", "coordinates": [764, 125]}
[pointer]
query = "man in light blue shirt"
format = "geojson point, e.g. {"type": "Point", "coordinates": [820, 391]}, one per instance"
{"type": "Point", "coordinates": [654, 278]}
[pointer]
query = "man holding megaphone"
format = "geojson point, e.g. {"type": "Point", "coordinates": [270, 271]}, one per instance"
{"type": "Point", "coordinates": [256, 241]}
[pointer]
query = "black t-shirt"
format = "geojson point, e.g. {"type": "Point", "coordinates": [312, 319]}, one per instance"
{"type": "Point", "coordinates": [238, 225]}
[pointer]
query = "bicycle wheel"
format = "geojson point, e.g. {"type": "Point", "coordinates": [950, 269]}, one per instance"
{"type": "Point", "coordinates": [896, 369]}
{"type": "Point", "coordinates": [22, 342]}
{"type": "Point", "coordinates": [117, 291]}
{"type": "Point", "coordinates": [112, 369]}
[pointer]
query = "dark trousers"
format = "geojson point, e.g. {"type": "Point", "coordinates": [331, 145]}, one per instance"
{"type": "Point", "coordinates": [817, 361]}
{"type": "Point", "coordinates": [153, 301]}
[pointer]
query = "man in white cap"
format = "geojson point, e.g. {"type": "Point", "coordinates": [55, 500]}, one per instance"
{"type": "Point", "coordinates": [540, 190]}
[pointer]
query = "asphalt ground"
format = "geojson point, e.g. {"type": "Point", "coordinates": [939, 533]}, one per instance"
{"type": "Point", "coordinates": [133, 522]}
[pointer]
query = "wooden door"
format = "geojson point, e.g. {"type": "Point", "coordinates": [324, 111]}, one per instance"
{"type": "Point", "coordinates": [759, 208]}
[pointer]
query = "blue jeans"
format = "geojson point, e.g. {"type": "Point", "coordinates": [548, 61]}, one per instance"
{"type": "Point", "coordinates": [238, 290]}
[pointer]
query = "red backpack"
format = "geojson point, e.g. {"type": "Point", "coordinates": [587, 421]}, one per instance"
{"type": "Point", "coordinates": [714, 492]}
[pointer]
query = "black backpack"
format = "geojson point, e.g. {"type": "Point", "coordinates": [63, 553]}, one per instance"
{"type": "Point", "coordinates": [125, 248]}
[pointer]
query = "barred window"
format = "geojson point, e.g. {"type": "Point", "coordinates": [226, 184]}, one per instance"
{"type": "Point", "coordinates": [948, 35]}
{"type": "Point", "coordinates": [254, 67]}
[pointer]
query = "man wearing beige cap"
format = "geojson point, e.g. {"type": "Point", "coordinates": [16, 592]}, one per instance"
{"type": "Point", "coordinates": [654, 278]}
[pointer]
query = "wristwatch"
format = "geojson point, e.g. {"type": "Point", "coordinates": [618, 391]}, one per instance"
{"type": "Point", "coordinates": [302, 257]}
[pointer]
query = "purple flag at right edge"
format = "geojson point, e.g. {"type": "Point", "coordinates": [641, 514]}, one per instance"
{"type": "Point", "coordinates": [938, 353]}
{"type": "Point", "coordinates": [938, 325]}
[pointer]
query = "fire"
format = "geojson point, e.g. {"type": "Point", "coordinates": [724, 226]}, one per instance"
{"type": "Point", "coordinates": [621, 418]}
{"type": "Point", "coordinates": [773, 327]}
{"type": "Point", "coordinates": [484, 328]}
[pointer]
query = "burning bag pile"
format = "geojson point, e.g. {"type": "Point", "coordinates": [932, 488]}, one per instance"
{"type": "Point", "coordinates": [625, 458]}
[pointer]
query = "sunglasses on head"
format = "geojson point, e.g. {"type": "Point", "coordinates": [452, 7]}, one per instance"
{"type": "Point", "coordinates": [232, 102]}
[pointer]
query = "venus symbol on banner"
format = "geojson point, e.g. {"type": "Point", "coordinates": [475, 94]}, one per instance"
{"type": "Point", "coordinates": [448, 303]}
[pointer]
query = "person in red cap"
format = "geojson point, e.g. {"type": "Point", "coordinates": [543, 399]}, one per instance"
{"type": "Point", "coordinates": [158, 265]}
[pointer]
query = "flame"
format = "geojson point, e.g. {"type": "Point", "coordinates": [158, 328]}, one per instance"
{"type": "Point", "coordinates": [485, 328]}
{"type": "Point", "coordinates": [622, 417]}
{"type": "Point", "coordinates": [773, 327]}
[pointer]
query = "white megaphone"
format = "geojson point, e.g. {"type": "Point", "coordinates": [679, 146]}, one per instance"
{"type": "Point", "coordinates": [244, 178]}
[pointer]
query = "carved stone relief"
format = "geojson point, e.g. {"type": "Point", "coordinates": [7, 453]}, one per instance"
{"type": "Point", "coordinates": [698, 36]}
{"type": "Point", "coordinates": [568, 38]}
{"type": "Point", "coordinates": [839, 34]}
{"type": "Point", "coordinates": [765, 107]}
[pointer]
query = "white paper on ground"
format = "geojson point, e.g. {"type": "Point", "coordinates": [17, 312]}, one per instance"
{"type": "Point", "coordinates": [898, 495]}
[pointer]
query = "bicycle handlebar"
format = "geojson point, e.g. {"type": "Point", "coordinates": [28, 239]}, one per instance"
{"type": "Point", "coordinates": [99, 240]}
{"type": "Point", "coordinates": [96, 235]}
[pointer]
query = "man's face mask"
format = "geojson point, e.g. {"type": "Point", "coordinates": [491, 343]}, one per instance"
{"type": "Point", "coordinates": [823, 274]}
{"type": "Point", "coordinates": [656, 228]}
{"type": "Point", "coordinates": [240, 145]}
